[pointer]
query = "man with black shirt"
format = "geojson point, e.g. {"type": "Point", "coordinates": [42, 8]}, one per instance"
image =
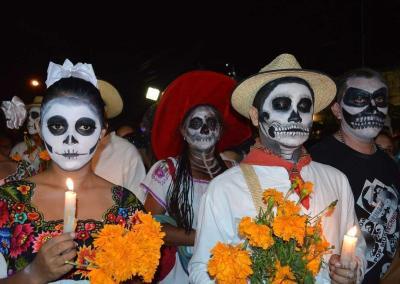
{"type": "Point", "coordinates": [361, 107]}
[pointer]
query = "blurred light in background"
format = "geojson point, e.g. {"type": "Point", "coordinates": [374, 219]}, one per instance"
{"type": "Point", "coordinates": [152, 94]}
{"type": "Point", "coordinates": [34, 83]}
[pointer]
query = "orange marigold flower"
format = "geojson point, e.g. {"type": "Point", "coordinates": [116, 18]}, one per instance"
{"type": "Point", "coordinates": [287, 227]}
{"type": "Point", "coordinates": [283, 274]}
{"type": "Point", "coordinates": [323, 245]}
{"type": "Point", "coordinates": [288, 208]}
{"type": "Point", "coordinates": [24, 189]}
{"type": "Point", "coordinates": [98, 276]}
{"type": "Point", "coordinates": [16, 157]}
{"type": "Point", "coordinates": [230, 264]}
{"type": "Point", "coordinates": [314, 230]}
{"type": "Point", "coordinates": [310, 230]}
{"type": "Point", "coordinates": [123, 254]}
{"type": "Point", "coordinates": [44, 155]}
{"type": "Point", "coordinates": [314, 265]}
{"type": "Point", "coordinates": [108, 234]}
{"type": "Point", "coordinates": [277, 196]}
{"type": "Point", "coordinates": [148, 236]}
{"type": "Point", "coordinates": [257, 234]}
{"type": "Point", "coordinates": [306, 189]}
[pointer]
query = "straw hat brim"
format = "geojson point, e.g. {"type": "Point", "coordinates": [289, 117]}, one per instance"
{"type": "Point", "coordinates": [32, 105]}
{"type": "Point", "coordinates": [37, 102]}
{"type": "Point", "coordinates": [323, 86]}
{"type": "Point", "coordinates": [111, 97]}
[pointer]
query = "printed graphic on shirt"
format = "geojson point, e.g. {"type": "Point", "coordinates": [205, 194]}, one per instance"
{"type": "Point", "coordinates": [380, 229]}
{"type": "Point", "coordinates": [161, 173]}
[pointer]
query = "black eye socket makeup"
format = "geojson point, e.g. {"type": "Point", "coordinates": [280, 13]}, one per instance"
{"type": "Point", "coordinates": [211, 123]}
{"type": "Point", "coordinates": [34, 114]}
{"type": "Point", "coordinates": [57, 125]}
{"type": "Point", "coordinates": [304, 105]}
{"type": "Point", "coordinates": [355, 97]}
{"type": "Point", "coordinates": [281, 103]}
{"type": "Point", "coordinates": [195, 123]}
{"type": "Point", "coordinates": [85, 126]}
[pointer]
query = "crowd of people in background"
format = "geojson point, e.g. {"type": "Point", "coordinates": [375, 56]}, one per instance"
{"type": "Point", "coordinates": [189, 162]}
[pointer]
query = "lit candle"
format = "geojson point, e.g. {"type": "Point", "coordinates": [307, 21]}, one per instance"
{"type": "Point", "coordinates": [348, 247]}
{"type": "Point", "coordinates": [69, 207]}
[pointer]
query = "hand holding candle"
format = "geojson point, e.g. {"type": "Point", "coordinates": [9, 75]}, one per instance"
{"type": "Point", "coordinates": [69, 207]}
{"type": "Point", "coordinates": [348, 247]}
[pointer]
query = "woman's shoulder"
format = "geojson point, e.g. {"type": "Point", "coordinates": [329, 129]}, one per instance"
{"type": "Point", "coordinates": [164, 164]}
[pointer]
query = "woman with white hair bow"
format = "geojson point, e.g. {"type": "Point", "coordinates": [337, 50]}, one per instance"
{"type": "Point", "coordinates": [31, 211]}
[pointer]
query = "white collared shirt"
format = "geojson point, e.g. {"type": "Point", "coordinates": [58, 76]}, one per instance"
{"type": "Point", "coordinates": [228, 200]}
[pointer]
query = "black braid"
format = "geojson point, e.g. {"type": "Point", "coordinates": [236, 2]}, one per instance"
{"type": "Point", "coordinates": [180, 193]}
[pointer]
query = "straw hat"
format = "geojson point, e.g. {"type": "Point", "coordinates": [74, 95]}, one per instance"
{"type": "Point", "coordinates": [186, 91]}
{"type": "Point", "coordinates": [37, 102]}
{"type": "Point", "coordinates": [111, 98]}
{"type": "Point", "coordinates": [285, 65]}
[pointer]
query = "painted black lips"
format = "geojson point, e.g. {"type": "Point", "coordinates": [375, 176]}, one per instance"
{"type": "Point", "coordinates": [70, 154]}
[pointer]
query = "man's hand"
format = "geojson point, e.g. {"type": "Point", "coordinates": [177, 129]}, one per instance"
{"type": "Point", "coordinates": [341, 274]}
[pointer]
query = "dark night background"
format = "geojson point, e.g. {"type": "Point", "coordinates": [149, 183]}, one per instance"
{"type": "Point", "coordinates": [135, 46]}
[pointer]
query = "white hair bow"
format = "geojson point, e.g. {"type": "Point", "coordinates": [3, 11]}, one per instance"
{"type": "Point", "coordinates": [15, 112]}
{"type": "Point", "coordinates": [56, 72]}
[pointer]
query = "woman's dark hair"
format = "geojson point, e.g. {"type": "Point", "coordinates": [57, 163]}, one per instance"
{"type": "Point", "coordinates": [77, 89]}
{"type": "Point", "coordinates": [180, 191]}
{"type": "Point", "coordinates": [265, 90]}
{"type": "Point", "coordinates": [341, 81]}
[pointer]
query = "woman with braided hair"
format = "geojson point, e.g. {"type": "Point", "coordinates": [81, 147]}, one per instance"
{"type": "Point", "coordinates": [193, 124]}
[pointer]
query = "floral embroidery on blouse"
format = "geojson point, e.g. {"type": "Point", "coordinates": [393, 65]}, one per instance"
{"type": "Point", "coordinates": [23, 229]}
{"type": "Point", "coordinates": [161, 173]}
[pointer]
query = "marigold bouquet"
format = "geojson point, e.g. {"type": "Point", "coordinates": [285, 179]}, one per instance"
{"type": "Point", "coordinates": [281, 245]}
{"type": "Point", "coordinates": [122, 253]}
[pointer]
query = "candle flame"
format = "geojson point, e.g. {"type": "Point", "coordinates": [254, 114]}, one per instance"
{"type": "Point", "coordinates": [70, 184]}
{"type": "Point", "coordinates": [352, 232]}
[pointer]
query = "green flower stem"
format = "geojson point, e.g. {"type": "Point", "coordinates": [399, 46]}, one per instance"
{"type": "Point", "coordinates": [319, 215]}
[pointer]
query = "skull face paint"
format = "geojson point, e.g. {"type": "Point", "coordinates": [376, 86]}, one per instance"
{"type": "Point", "coordinates": [364, 107]}
{"type": "Point", "coordinates": [201, 128]}
{"type": "Point", "coordinates": [71, 131]}
{"type": "Point", "coordinates": [33, 120]}
{"type": "Point", "coordinates": [286, 116]}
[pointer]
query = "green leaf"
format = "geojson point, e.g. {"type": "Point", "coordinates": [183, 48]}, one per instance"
{"type": "Point", "coordinates": [309, 279]}
{"type": "Point", "coordinates": [12, 192]}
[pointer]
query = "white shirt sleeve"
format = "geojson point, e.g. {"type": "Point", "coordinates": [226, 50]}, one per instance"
{"type": "Point", "coordinates": [3, 267]}
{"type": "Point", "coordinates": [157, 182]}
{"type": "Point", "coordinates": [214, 225]}
{"type": "Point", "coordinates": [134, 173]}
{"type": "Point", "coordinates": [119, 162]}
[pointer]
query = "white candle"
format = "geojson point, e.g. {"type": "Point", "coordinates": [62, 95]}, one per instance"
{"type": "Point", "coordinates": [69, 207]}
{"type": "Point", "coordinates": [348, 247]}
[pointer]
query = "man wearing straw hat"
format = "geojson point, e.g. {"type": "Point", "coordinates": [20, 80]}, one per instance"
{"type": "Point", "coordinates": [117, 160]}
{"type": "Point", "coordinates": [280, 100]}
